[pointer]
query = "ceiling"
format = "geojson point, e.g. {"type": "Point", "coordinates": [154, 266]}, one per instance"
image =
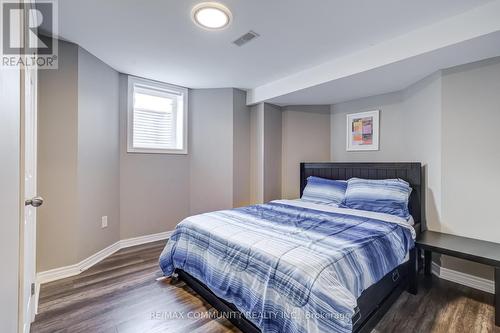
{"type": "Point", "coordinates": [156, 39]}
{"type": "Point", "coordinates": [393, 77]}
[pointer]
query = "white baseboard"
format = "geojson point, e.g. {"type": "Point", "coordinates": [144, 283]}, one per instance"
{"type": "Point", "coordinates": [37, 297]}
{"type": "Point", "coordinates": [124, 243]}
{"type": "Point", "coordinates": [464, 279]}
{"type": "Point", "coordinates": [72, 270]}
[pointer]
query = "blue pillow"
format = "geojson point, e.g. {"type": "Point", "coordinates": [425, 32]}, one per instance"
{"type": "Point", "coordinates": [388, 196]}
{"type": "Point", "coordinates": [324, 191]}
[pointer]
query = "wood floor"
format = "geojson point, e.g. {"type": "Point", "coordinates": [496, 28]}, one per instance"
{"type": "Point", "coordinates": [121, 294]}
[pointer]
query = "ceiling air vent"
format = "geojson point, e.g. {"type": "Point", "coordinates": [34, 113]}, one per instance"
{"type": "Point", "coordinates": [246, 38]}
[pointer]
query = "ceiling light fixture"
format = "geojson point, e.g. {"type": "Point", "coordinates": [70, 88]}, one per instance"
{"type": "Point", "coordinates": [211, 15]}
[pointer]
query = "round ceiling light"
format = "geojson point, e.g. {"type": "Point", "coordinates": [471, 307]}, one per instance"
{"type": "Point", "coordinates": [211, 15]}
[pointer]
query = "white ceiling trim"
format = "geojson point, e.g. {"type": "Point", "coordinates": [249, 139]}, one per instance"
{"type": "Point", "coordinates": [475, 23]}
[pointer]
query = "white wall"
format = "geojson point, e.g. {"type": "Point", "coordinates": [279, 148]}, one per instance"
{"type": "Point", "coordinates": [306, 138]}
{"type": "Point", "coordinates": [9, 197]}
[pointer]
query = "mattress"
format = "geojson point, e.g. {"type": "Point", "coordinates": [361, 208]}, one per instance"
{"type": "Point", "coordinates": [289, 265]}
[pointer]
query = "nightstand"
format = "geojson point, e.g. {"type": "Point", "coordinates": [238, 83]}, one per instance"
{"type": "Point", "coordinates": [479, 251]}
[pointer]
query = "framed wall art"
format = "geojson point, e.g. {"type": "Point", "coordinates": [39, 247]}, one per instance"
{"type": "Point", "coordinates": [363, 131]}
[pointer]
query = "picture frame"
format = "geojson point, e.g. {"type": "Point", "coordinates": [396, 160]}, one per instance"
{"type": "Point", "coordinates": [363, 131]}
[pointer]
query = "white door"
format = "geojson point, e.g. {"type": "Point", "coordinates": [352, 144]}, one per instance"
{"type": "Point", "coordinates": [29, 188]}
{"type": "Point", "coordinates": [31, 199]}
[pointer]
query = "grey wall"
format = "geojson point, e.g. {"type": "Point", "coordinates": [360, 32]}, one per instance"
{"type": "Point", "coordinates": [57, 220]}
{"type": "Point", "coordinates": [154, 188]}
{"type": "Point", "coordinates": [257, 153]}
{"type": "Point", "coordinates": [392, 115]}
{"type": "Point", "coordinates": [211, 150]}
{"type": "Point", "coordinates": [86, 172]}
{"type": "Point", "coordinates": [78, 165]}
{"type": "Point", "coordinates": [471, 157]}
{"type": "Point", "coordinates": [282, 138]}
{"type": "Point", "coordinates": [265, 151]}
{"type": "Point", "coordinates": [422, 109]}
{"type": "Point", "coordinates": [448, 122]}
{"type": "Point", "coordinates": [241, 150]}
{"type": "Point", "coordinates": [157, 191]}
{"type": "Point", "coordinates": [306, 138]}
{"type": "Point", "coordinates": [9, 197]}
{"type": "Point", "coordinates": [98, 154]}
{"type": "Point", "coordinates": [410, 130]}
{"type": "Point", "coordinates": [272, 152]}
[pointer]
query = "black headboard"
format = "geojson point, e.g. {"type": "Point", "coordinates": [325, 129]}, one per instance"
{"type": "Point", "coordinates": [410, 172]}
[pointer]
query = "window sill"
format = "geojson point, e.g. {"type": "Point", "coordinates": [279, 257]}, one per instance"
{"type": "Point", "coordinates": [157, 151]}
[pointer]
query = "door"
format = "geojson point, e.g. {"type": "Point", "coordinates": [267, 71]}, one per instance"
{"type": "Point", "coordinates": [28, 232]}
{"type": "Point", "coordinates": [29, 102]}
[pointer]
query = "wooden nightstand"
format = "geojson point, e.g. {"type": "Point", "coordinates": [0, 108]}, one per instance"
{"type": "Point", "coordinates": [483, 252]}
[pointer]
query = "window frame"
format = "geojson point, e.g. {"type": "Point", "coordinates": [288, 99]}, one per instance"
{"type": "Point", "coordinates": [163, 87]}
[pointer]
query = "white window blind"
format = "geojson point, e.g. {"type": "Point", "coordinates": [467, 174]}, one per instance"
{"type": "Point", "coordinates": [157, 118]}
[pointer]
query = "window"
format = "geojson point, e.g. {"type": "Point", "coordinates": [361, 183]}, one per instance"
{"type": "Point", "coordinates": [157, 117]}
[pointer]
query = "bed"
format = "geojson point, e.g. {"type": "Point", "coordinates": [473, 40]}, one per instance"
{"type": "Point", "coordinates": [297, 266]}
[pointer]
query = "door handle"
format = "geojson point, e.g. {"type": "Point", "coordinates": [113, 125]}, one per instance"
{"type": "Point", "coordinates": [35, 202]}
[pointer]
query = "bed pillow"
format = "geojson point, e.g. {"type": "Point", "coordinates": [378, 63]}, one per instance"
{"type": "Point", "coordinates": [324, 191]}
{"type": "Point", "coordinates": [388, 196]}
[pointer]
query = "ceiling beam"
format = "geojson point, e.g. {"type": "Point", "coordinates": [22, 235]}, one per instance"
{"type": "Point", "coordinates": [478, 22]}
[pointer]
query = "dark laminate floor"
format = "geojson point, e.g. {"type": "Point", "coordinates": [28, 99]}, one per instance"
{"type": "Point", "coordinates": [120, 294]}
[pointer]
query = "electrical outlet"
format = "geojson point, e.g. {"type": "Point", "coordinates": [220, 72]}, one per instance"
{"type": "Point", "coordinates": [104, 222]}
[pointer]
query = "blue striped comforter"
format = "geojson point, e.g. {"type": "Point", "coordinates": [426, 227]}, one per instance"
{"type": "Point", "coordinates": [290, 266]}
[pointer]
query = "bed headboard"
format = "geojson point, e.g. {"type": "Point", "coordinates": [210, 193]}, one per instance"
{"type": "Point", "coordinates": [410, 172]}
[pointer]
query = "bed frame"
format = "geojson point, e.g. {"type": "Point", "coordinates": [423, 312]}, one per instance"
{"type": "Point", "coordinates": [375, 301]}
